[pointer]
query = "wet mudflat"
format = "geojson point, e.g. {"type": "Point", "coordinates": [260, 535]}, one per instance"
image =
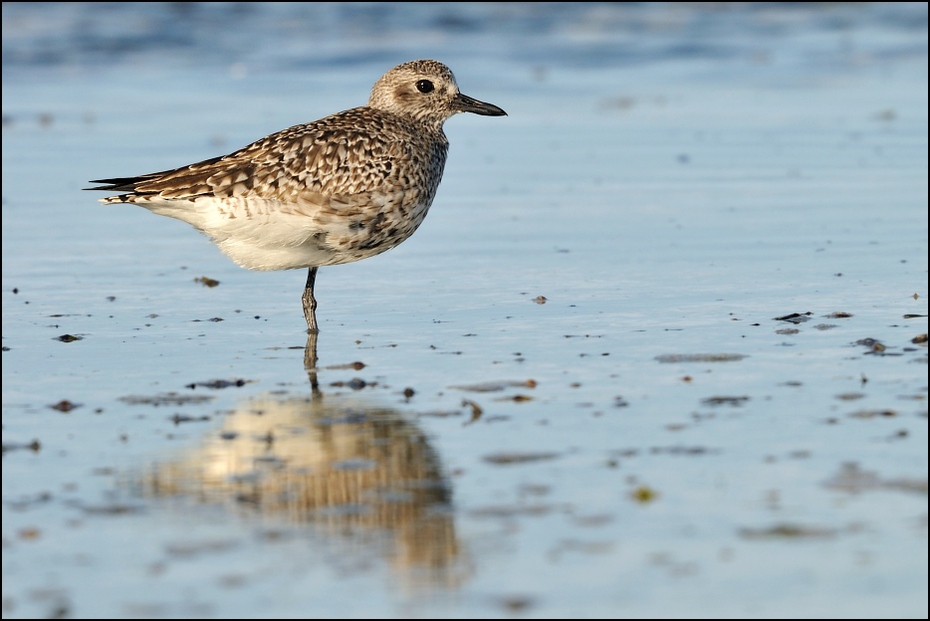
{"type": "Point", "coordinates": [659, 348]}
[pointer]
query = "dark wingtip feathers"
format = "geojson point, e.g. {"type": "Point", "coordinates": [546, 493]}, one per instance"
{"type": "Point", "coordinates": [118, 184]}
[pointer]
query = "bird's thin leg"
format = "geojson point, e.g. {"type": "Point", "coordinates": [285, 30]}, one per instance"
{"type": "Point", "coordinates": [310, 303]}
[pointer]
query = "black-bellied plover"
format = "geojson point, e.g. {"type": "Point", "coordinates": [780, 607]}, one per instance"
{"type": "Point", "coordinates": [344, 188]}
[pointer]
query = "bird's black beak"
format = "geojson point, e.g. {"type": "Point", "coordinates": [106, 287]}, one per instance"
{"type": "Point", "coordinates": [464, 103]}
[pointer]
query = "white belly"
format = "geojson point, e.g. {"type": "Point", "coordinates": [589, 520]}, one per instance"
{"type": "Point", "coordinates": [261, 234]}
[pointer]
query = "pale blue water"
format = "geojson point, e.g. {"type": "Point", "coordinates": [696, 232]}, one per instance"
{"type": "Point", "coordinates": [671, 179]}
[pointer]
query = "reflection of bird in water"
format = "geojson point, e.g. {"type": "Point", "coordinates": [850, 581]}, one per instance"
{"type": "Point", "coordinates": [310, 362]}
{"type": "Point", "coordinates": [335, 462]}
{"type": "Point", "coordinates": [337, 190]}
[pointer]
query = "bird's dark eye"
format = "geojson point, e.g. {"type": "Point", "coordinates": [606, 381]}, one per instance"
{"type": "Point", "coordinates": [425, 86]}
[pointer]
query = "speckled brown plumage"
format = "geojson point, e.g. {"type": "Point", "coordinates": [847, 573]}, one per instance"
{"type": "Point", "coordinates": [344, 188]}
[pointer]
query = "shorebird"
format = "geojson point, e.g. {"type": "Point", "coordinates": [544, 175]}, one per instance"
{"type": "Point", "coordinates": [346, 187]}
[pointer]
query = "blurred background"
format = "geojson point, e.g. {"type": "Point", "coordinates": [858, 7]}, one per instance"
{"type": "Point", "coordinates": [773, 38]}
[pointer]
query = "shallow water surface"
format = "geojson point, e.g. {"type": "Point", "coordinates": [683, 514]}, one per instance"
{"type": "Point", "coordinates": [659, 349]}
